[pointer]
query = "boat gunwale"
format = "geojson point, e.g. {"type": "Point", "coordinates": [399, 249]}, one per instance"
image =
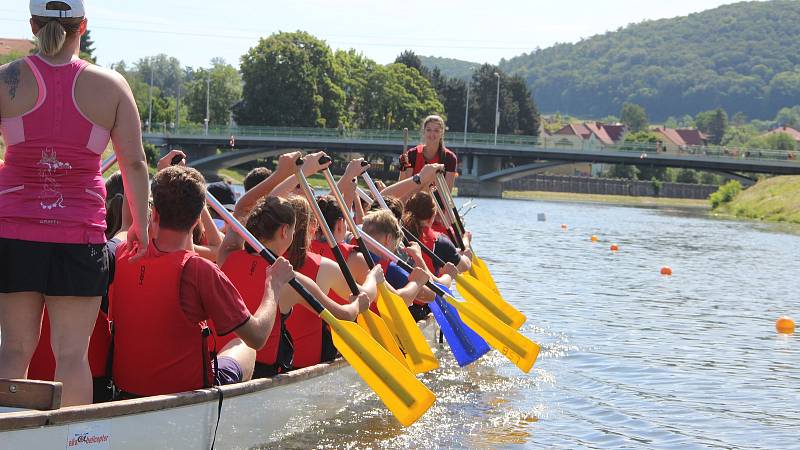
{"type": "Point", "coordinates": [26, 419]}
{"type": "Point", "coordinates": [20, 420]}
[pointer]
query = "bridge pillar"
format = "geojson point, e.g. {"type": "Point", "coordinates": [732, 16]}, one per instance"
{"type": "Point", "coordinates": [470, 185]}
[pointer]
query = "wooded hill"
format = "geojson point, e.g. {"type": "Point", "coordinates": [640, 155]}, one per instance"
{"type": "Point", "coordinates": [743, 57]}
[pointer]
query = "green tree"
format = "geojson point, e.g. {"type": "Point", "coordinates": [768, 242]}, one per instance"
{"type": "Point", "coordinates": [87, 48]}
{"type": "Point", "coordinates": [623, 171]}
{"type": "Point", "coordinates": [11, 56]}
{"type": "Point", "coordinates": [528, 119]}
{"type": "Point", "coordinates": [703, 121]}
{"type": "Point", "coordinates": [224, 91]}
{"type": "Point", "coordinates": [398, 96]}
{"type": "Point", "coordinates": [687, 176]}
{"type": "Point", "coordinates": [717, 126]}
{"type": "Point", "coordinates": [738, 136]}
{"type": "Point", "coordinates": [410, 59]}
{"type": "Point", "coordinates": [774, 141]}
{"type": "Point", "coordinates": [291, 79]}
{"type": "Point", "coordinates": [634, 117]}
{"type": "Point", "coordinates": [165, 71]}
{"type": "Point", "coordinates": [789, 117]}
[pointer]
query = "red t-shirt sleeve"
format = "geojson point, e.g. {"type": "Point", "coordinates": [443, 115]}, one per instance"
{"type": "Point", "coordinates": [206, 293]}
{"type": "Point", "coordinates": [450, 161]}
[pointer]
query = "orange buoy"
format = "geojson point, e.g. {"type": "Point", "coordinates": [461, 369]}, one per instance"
{"type": "Point", "coordinates": [563, 226]}
{"type": "Point", "coordinates": [614, 247]}
{"type": "Point", "coordinates": [784, 325]}
{"type": "Point", "coordinates": [594, 238]}
{"type": "Point", "coordinates": [666, 270]}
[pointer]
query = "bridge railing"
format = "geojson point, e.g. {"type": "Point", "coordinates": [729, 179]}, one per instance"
{"type": "Point", "coordinates": [457, 139]}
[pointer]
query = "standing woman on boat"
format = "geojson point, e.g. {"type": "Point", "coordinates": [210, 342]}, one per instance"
{"type": "Point", "coordinates": [57, 114]}
{"type": "Point", "coordinates": [432, 151]}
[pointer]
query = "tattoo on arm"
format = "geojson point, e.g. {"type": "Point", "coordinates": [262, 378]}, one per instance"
{"type": "Point", "coordinates": [10, 76]}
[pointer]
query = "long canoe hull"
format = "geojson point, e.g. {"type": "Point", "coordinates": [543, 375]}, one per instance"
{"type": "Point", "coordinates": [253, 413]}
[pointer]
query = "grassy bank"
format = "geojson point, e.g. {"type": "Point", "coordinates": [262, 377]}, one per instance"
{"type": "Point", "coordinates": [775, 199]}
{"type": "Point", "coordinates": [612, 199]}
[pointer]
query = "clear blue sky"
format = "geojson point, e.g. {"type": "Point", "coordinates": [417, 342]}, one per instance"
{"type": "Point", "coordinates": [479, 31]}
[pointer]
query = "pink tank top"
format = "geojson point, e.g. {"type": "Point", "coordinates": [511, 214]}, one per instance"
{"type": "Point", "coordinates": [51, 189]}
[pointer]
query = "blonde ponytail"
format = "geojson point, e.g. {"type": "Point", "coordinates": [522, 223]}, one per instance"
{"type": "Point", "coordinates": [53, 33]}
{"type": "Point", "coordinates": [51, 38]}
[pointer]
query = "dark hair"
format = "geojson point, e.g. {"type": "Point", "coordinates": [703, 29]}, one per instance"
{"type": "Point", "coordinates": [330, 211]}
{"type": "Point", "coordinates": [114, 214]}
{"type": "Point", "coordinates": [268, 215]}
{"type": "Point", "coordinates": [418, 208]}
{"type": "Point", "coordinates": [179, 196]}
{"type": "Point", "coordinates": [114, 185]}
{"type": "Point", "coordinates": [296, 254]}
{"type": "Point", "coordinates": [394, 204]}
{"type": "Point", "coordinates": [255, 176]}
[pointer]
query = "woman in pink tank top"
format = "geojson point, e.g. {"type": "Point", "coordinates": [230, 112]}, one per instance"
{"type": "Point", "coordinates": [57, 115]}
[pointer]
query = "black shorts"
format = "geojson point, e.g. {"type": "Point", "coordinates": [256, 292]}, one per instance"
{"type": "Point", "coordinates": [79, 270]}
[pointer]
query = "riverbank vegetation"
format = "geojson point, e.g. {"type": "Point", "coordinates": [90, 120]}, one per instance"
{"type": "Point", "coordinates": [775, 199]}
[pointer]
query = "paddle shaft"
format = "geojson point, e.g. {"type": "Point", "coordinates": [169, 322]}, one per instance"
{"type": "Point", "coordinates": [455, 324]}
{"type": "Point", "coordinates": [367, 357]}
{"type": "Point", "coordinates": [337, 194]}
{"type": "Point", "coordinates": [407, 235]}
{"type": "Point", "coordinates": [259, 247]}
{"type": "Point", "coordinates": [388, 254]}
{"type": "Point", "coordinates": [326, 230]}
{"type": "Point", "coordinates": [451, 232]}
{"type": "Point", "coordinates": [108, 162]}
{"type": "Point", "coordinates": [444, 188]}
{"type": "Point", "coordinates": [505, 332]}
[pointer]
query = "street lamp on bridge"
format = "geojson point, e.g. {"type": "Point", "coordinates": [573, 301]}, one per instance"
{"type": "Point", "coordinates": [497, 108]}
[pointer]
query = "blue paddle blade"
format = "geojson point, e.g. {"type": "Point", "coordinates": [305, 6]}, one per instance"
{"type": "Point", "coordinates": [466, 345]}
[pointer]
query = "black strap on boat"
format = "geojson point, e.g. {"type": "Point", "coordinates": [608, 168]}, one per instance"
{"type": "Point", "coordinates": [219, 414]}
{"type": "Point", "coordinates": [110, 359]}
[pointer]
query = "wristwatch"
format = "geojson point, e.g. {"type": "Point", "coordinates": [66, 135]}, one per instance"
{"type": "Point", "coordinates": [416, 179]}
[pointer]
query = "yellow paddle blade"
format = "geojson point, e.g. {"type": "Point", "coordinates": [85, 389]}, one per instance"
{"type": "Point", "coordinates": [480, 271]}
{"type": "Point", "coordinates": [402, 393]}
{"type": "Point", "coordinates": [517, 348]}
{"type": "Point", "coordinates": [394, 311]}
{"type": "Point", "coordinates": [476, 292]}
{"type": "Point", "coordinates": [376, 327]}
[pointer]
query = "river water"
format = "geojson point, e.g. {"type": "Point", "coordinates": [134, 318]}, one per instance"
{"type": "Point", "coordinates": [630, 358]}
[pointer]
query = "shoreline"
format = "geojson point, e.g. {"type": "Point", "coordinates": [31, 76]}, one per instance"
{"type": "Point", "coordinates": [625, 200]}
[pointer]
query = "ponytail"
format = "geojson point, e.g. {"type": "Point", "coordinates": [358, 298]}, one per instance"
{"type": "Point", "coordinates": [53, 33]}
{"type": "Point", "coordinates": [51, 38]}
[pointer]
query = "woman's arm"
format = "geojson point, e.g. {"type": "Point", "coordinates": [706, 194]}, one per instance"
{"type": "Point", "coordinates": [127, 138]}
{"type": "Point", "coordinates": [283, 170]}
{"type": "Point", "coordinates": [210, 250]}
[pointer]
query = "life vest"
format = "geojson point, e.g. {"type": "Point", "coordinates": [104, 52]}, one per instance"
{"type": "Point", "coordinates": [304, 325]}
{"type": "Point", "coordinates": [247, 272]}
{"type": "Point", "coordinates": [43, 363]}
{"type": "Point", "coordinates": [439, 227]}
{"type": "Point", "coordinates": [428, 238]}
{"type": "Point", "coordinates": [322, 248]}
{"type": "Point", "coordinates": [157, 350]}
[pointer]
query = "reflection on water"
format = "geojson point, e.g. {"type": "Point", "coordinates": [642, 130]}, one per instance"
{"type": "Point", "coordinates": [629, 358]}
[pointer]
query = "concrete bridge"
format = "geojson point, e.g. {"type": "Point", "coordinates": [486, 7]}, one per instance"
{"type": "Point", "coordinates": [484, 164]}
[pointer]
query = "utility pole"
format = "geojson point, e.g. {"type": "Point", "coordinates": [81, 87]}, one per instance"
{"type": "Point", "coordinates": [178, 107]}
{"type": "Point", "coordinates": [466, 112]}
{"type": "Point", "coordinates": [497, 108]}
{"type": "Point", "coordinates": [150, 95]}
{"type": "Point", "coordinates": [208, 96]}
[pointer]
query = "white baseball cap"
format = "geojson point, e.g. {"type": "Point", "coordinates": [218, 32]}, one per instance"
{"type": "Point", "coordinates": [76, 8]}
